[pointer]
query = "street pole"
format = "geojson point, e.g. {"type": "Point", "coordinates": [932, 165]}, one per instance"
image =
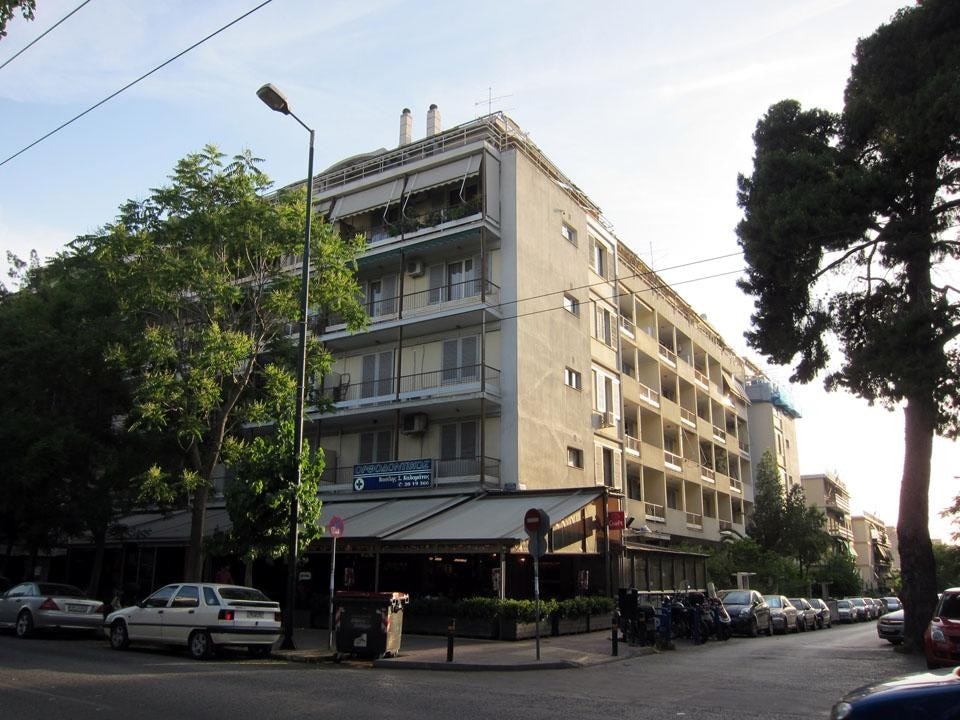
{"type": "Point", "coordinates": [333, 568]}
{"type": "Point", "coordinates": [275, 100]}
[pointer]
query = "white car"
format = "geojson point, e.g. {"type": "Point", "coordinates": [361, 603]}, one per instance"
{"type": "Point", "coordinates": [200, 617]}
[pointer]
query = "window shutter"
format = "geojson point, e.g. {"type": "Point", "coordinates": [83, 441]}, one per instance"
{"type": "Point", "coordinates": [436, 284]}
{"type": "Point", "coordinates": [598, 464]}
{"type": "Point", "coordinates": [451, 353]}
{"type": "Point", "coordinates": [617, 469]}
{"type": "Point", "coordinates": [385, 373]}
{"type": "Point", "coordinates": [468, 439]}
{"type": "Point", "coordinates": [468, 358]}
{"type": "Point", "coordinates": [369, 377]}
{"type": "Point", "coordinates": [448, 442]}
{"type": "Point", "coordinates": [366, 448]}
{"type": "Point", "coordinates": [384, 445]}
{"type": "Point", "coordinates": [389, 294]}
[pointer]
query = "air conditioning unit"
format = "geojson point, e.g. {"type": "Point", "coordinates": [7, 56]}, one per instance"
{"type": "Point", "coordinates": [607, 419]}
{"type": "Point", "coordinates": [415, 267]}
{"type": "Point", "coordinates": [413, 424]}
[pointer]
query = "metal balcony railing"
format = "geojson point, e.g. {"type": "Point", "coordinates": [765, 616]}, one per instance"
{"type": "Point", "coordinates": [419, 384]}
{"type": "Point", "coordinates": [669, 355]}
{"type": "Point", "coordinates": [654, 512]}
{"type": "Point", "coordinates": [631, 444]}
{"type": "Point", "coordinates": [694, 520]}
{"type": "Point", "coordinates": [736, 485]}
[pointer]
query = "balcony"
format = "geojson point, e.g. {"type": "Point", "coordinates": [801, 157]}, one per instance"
{"type": "Point", "coordinates": [694, 521]}
{"type": "Point", "coordinates": [668, 356]}
{"type": "Point", "coordinates": [654, 512]}
{"type": "Point", "coordinates": [445, 472]}
{"type": "Point", "coordinates": [707, 475]}
{"type": "Point", "coordinates": [672, 460]}
{"type": "Point", "coordinates": [838, 502]}
{"type": "Point", "coordinates": [650, 395]}
{"type": "Point", "coordinates": [725, 525]}
{"type": "Point", "coordinates": [736, 485]}
{"type": "Point", "coordinates": [631, 445]}
{"type": "Point", "coordinates": [447, 381]}
{"type": "Point", "coordinates": [439, 217]}
{"type": "Point", "coordinates": [702, 380]}
{"type": "Point", "coordinates": [688, 418]}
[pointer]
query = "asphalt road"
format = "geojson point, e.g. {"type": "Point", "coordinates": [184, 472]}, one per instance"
{"type": "Point", "coordinates": [796, 676]}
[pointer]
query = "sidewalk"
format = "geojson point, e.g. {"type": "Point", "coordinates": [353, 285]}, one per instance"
{"type": "Point", "coordinates": [429, 652]}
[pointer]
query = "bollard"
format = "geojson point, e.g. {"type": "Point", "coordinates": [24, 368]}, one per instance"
{"type": "Point", "coordinates": [615, 632]}
{"type": "Point", "coordinates": [451, 629]}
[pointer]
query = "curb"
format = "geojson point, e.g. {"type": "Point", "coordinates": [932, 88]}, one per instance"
{"type": "Point", "coordinates": [474, 667]}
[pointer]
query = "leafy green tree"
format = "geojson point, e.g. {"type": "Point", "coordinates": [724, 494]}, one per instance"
{"type": "Point", "coordinates": [868, 199]}
{"type": "Point", "coordinates": [9, 8]}
{"type": "Point", "coordinates": [839, 572]}
{"type": "Point", "coordinates": [803, 536]}
{"type": "Point", "coordinates": [765, 523]}
{"type": "Point", "coordinates": [207, 269]}
{"type": "Point", "coordinates": [948, 565]}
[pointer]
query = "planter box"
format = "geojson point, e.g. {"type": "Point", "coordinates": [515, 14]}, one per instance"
{"type": "Point", "coordinates": [513, 630]}
{"type": "Point", "coordinates": [599, 622]}
{"type": "Point", "coordinates": [571, 625]}
{"type": "Point", "coordinates": [426, 624]}
{"type": "Point", "coordinates": [485, 628]}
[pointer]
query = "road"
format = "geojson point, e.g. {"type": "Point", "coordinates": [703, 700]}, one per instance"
{"type": "Point", "coordinates": [797, 676]}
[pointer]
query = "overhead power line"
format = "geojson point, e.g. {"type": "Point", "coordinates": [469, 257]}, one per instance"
{"type": "Point", "coordinates": [42, 35]}
{"type": "Point", "coordinates": [131, 84]}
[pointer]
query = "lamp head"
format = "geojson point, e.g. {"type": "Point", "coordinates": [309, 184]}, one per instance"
{"type": "Point", "coordinates": [273, 99]}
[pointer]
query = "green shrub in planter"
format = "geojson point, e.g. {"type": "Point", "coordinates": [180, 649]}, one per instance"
{"type": "Point", "coordinates": [478, 608]}
{"type": "Point", "coordinates": [430, 606]}
{"type": "Point", "coordinates": [525, 611]}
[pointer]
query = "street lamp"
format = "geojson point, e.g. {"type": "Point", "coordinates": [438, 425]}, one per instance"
{"type": "Point", "coordinates": [275, 100]}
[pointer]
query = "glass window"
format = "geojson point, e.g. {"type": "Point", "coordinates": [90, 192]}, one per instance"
{"type": "Point", "coordinates": [210, 596]}
{"type": "Point", "coordinates": [571, 304]}
{"type": "Point", "coordinates": [569, 234]}
{"type": "Point", "coordinates": [575, 457]}
{"type": "Point", "coordinates": [572, 378]}
{"type": "Point", "coordinates": [188, 596]}
{"type": "Point", "coordinates": [161, 597]}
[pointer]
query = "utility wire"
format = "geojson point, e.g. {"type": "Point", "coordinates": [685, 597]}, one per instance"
{"type": "Point", "coordinates": [131, 84]}
{"type": "Point", "coordinates": [43, 35]}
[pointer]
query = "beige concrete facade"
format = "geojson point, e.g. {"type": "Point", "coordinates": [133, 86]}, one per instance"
{"type": "Point", "coordinates": [874, 555]}
{"type": "Point", "coordinates": [828, 493]}
{"type": "Point", "coordinates": [516, 344]}
{"type": "Point", "coordinates": [772, 421]}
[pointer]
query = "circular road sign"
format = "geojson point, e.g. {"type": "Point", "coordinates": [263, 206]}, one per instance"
{"type": "Point", "coordinates": [531, 521]}
{"type": "Point", "coordinates": [335, 526]}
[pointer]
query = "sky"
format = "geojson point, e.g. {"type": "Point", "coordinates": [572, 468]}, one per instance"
{"type": "Point", "coordinates": [649, 107]}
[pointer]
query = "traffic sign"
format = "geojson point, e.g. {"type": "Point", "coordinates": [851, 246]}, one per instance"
{"type": "Point", "coordinates": [536, 522]}
{"type": "Point", "coordinates": [532, 521]}
{"type": "Point", "coordinates": [335, 526]}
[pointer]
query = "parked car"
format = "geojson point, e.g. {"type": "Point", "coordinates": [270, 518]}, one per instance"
{"type": "Point", "coordinates": [783, 615]}
{"type": "Point", "coordinates": [890, 603]}
{"type": "Point", "coordinates": [32, 606]}
{"type": "Point", "coordinates": [200, 617]}
{"type": "Point", "coordinates": [823, 612]}
{"type": "Point", "coordinates": [933, 695]}
{"type": "Point", "coordinates": [890, 627]}
{"type": "Point", "coordinates": [806, 615]}
{"type": "Point", "coordinates": [941, 639]}
{"type": "Point", "coordinates": [846, 613]}
{"type": "Point", "coordinates": [859, 608]}
{"type": "Point", "coordinates": [749, 612]}
{"type": "Point", "coordinates": [873, 608]}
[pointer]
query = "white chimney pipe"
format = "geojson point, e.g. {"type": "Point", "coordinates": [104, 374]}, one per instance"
{"type": "Point", "coordinates": [433, 121]}
{"type": "Point", "coordinates": [406, 127]}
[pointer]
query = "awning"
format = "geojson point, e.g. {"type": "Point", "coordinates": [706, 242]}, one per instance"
{"type": "Point", "coordinates": [443, 174]}
{"type": "Point", "coordinates": [734, 386]}
{"type": "Point", "coordinates": [381, 518]}
{"type": "Point", "coordinates": [494, 517]}
{"type": "Point", "coordinates": [368, 199]}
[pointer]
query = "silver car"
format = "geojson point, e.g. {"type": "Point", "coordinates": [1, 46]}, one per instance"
{"type": "Point", "coordinates": [32, 606]}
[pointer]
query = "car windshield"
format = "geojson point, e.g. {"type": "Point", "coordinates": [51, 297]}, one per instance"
{"type": "Point", "coordinates": [60, 590]}
{"type": "Point", "coordinates": [857, 601]}
{"type": "Point", "coordinates": [772, 600]}
{"type": "Point", "coordinates": [797, 603]}
{"type": "Point", "coordinates": [950, 607]}
{"type": "Point", "coordinates": [736, 598]}
{"type": "Point", "coordinates": [241, 593]}
{"type": "Point", "coordinates": [843, 603]}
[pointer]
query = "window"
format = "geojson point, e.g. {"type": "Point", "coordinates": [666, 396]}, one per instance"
{"type": "Point", "coordinates": [380, 296]}
{"type": "Point", "coordinates": [189, 596]}
{"type": "Point", "coordinates": [600, 258]}
{"type": "Point", "coordinates": [571, 304]}
{"type": "Point", "coordinates": [456, 280]}
{"type": "Point", "coordinates": [377, 374]}
{"type": "Point", "coordinates": [603, 327]}
{"type": "Point", "coordinates": [606, 397]}
{"type": "Point", "coordinates": [375, 447]}
{"type": "Point", "coordinates": [460, 360]}
{"type": "Point", "coordinates": [569, 234]}
{"type": "Point", "coordinates": [572, 378]}
{"type": "Point", "coordinates": [575, 457]}
{"type": "Point", "coordinates": [459, 440]}
{"type": "Point", "coordinates": [209, 596]}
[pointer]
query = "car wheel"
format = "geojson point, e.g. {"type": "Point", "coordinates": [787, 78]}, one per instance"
{"type": "Point", "coordinates": [200, 644]}
{"type": "Point", "coordinates": [259, 651]}
{"type": "Point", "coordinates": [769, 628]}
{"type": "Point", "coordinates": [24, 626]}
{"type": "Point", "coordinates": [754, 630]}
{"type": "Point", "coordinates": [119, 640]}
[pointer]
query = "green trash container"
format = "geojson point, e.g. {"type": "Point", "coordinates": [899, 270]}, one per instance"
{"type": "Point", "coordinates": [368, 624]}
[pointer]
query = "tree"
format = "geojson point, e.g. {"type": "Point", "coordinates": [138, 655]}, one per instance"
{"type": "Point", "coordinates": [839, 572]}
{"type": "Point", "coordinates": [8, 9]}
{"type": "Point", "coordinates": [803, 537]}
{"type": "Point", "coordinates": [948, 565]}
{"type": "Point", "coordinates": [207, 268]}
{"type": "Point", "coordinates": [868, 199]}
{"type": "Point", "coordinates": [765, 523]}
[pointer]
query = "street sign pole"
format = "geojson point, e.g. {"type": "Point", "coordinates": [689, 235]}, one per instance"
{"type": "Point", "coordinates": [536, 522]}
{"type": "Point", "coordinates": [536, 591]}
{"type": "Point", "coordinates": [333, 566]}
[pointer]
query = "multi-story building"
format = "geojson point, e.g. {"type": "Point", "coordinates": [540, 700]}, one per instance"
{"type": "Point", "coordinates": [772, 415]}
{"type": "Point", "coordinates": [517, 356]}
{"type": "Point", "coordinates": [828, 493]}
{"type": "Point", "coordinates": [874, 556]}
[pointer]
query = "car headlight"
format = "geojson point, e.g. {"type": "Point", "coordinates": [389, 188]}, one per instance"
{"type": "Point", "coordinates": [936, 634]}
{"type": "Point", "coordinates": [841, 710]}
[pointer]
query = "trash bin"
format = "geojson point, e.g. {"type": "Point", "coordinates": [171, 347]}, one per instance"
{"type": "Point", "coordinates": [368, 624]}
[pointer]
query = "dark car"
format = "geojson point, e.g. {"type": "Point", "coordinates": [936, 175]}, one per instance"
{"type": "Point", "coordinates": [749, 612]}
{"type": "Point", "coordinates": [890, 604]}
{"type": "Point", "coordinates": [935, 695]}
{"type": "Point", "coordinates": [890, 627]}
{"type": "Point", "coordinates": [823, 620]}
{"type": "Point", "coordinates": [783, 614]}
{"type": "Point", "coordinates": [941, 639]}
{"type": "Point", "coordinates": [806, 615]}
{"type": "Point", "coordinates": [859, 608]}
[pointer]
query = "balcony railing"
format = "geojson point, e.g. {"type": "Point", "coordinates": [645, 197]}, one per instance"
{"type": "Point", "coordinates": [628, 328]}
{"type": "Point", "coordinates": [654, 512]}
{"type": "Point", "coordinates": [736, 485]}
{"type": "Point", "coordinates": [701, 379]}
{"type": "Point", "coordinates": [719, 434]}
{"type": "Point", "coordinates": [667, 354]}
{"type": "Point", "coordinates": [672, 459]}
{"type": "Point", "coordinates": [434, 382]}
{"type": "Point", "coordinates": [443, 471]}
{"type": "Point", "coordinates": [694, 521]}
{"type": "Point", "coordinates": [434, 217]}
{"type": "Point", "coordinates": [708, 474]}
{"type": "Point", "coordinates": [650, 395]}
{"type": "Point", "coordinates": [725, 525]}
{"type": "Point", "coordinates": [631, 445]}
{"type": "Point", "coordinates": [690, 418]}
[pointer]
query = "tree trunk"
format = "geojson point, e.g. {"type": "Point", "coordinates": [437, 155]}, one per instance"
{"type": "Point", "coordinates": [918, 569]}
{"type": "Point", "coordinates": [193, 563]}
{"type": "Point", "coordinates": [100, 542]}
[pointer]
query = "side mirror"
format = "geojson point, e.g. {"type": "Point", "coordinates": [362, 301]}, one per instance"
{"type": "Point", "coordinates": [141, 603]}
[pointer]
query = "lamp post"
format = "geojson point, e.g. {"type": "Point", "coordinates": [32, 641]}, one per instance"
{"type": "Point", "coordinates": [275, 100]}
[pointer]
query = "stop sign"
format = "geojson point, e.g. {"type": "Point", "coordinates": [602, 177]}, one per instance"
{"type": "Point", "coordinates": [336, 526]}
{"type": "Point", "coordinates": [532, 521]}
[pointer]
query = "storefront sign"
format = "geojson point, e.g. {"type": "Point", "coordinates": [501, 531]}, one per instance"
{"type": "Point", "coordinates": [398, 475]}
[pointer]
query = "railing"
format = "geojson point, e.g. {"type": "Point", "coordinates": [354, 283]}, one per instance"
{"type": "Point", "coordinates": [725, 525]}
{"type": "Point", "coordinates": [688, 417]}
{"type": "Point", "coordinates": [654, 512]}
{"type": "Point", "coordinates": [708, 474]}
{"type": "Point", "coordinates": [701, 378]}
{"type": "Point", "coordinates": [628, 328]}
{"type": "Point", "coordinates": [838, 501]}
{"type": "Point", "coordinates": [744, 446]}
{"type": "Point", "coordinates": [736, 485]}
{"type": "Point", "coordinates": [719, 434]}
{"type": "Point", "coordinates": [631, 445]}
{"type": "Point", "coordinates": [667, 354]}
{"type": "Point", "coordinates": [446, 470]}
{"type": "Point", "coordinates": [694, 520]}
{"type": "Point", "coordinates": [672, 459]}
{"type": "Point", "coordinates": [432, 382]}
{"type": "Point", "coordinates": [650, 395]}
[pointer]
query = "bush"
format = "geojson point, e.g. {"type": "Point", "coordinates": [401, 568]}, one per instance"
{"type": "Point", "coordinates": [478, 608]}
{"type": "Point", "coordinates": [584, 606]}
{"type": "Point", "coordinates": [525, 611]}
{"type": "Point", "coordinates": [428, 606]}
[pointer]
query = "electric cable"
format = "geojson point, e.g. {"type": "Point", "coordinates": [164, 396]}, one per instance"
{"type": "Point", "coordinates": [42, 35]}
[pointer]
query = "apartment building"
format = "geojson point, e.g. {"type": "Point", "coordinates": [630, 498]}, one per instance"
{"type": "Point", "coordinates": [518, 356]}
{"type": "Point", "coordinates": [772, 419]}
{"type": "Point", "coordinates": [874, 554]}
{"type": "Point", "coordinates": [828, 493]}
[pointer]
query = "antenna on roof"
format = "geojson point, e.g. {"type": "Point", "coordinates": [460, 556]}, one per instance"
{"type": "Point", "coordinates": [489, 100]}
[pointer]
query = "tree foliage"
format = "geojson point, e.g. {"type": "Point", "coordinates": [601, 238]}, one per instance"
{"type": "Point", "coordinates": [948, 565]}
{"type": "Point", "coordinates": [9, 8]}
{"type": "Point", "coordinates": [847, 218]}
{"type": "Point", "coordinates": [207, 270]}
{"type": "Point", "coordinates": [765, 523]}
{"type": "Point", "coordinates": [839, 572]}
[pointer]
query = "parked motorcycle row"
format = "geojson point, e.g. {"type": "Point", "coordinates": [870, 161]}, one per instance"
{"type": "Point", "coordinates": [647, 619]}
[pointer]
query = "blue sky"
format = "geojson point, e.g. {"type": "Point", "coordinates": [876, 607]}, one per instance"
{"type": "Point", "coordinates": [648, 106]}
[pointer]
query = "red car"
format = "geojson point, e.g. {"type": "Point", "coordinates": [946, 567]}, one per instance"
{"type": "Point", "coordinates": [941, 639]}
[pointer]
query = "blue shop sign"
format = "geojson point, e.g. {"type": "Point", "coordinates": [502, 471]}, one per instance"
{"type": "Point", "coordinates": [396, 475]}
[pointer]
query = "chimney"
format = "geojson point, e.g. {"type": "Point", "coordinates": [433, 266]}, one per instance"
{"type": "Point", "coordinates": [406, 127]}
{"type": "Point", "coordinates": [433, 121]}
